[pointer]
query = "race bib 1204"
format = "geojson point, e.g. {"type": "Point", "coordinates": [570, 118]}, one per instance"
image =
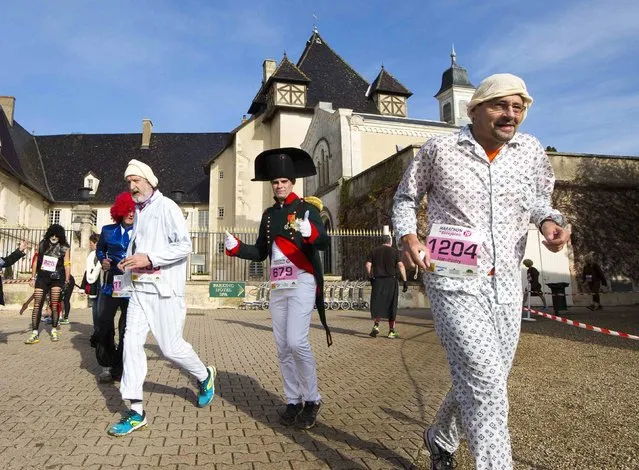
{"type": "Point", "coordinates": [454, 250]}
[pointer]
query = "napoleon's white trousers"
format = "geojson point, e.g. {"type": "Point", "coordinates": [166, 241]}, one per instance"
{"type": "Point", "coordinates": [291, 311]}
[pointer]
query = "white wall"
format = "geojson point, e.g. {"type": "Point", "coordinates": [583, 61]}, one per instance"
{"type": "Point", "coordinates": [552, 267]}
{"type": "Point", "coordinates": [20, 206]}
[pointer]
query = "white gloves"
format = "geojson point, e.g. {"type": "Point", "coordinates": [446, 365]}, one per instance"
{"type": "Point", "coordinates": [304, 226]}
{"type": "Point", "coordinates": [230, 241]}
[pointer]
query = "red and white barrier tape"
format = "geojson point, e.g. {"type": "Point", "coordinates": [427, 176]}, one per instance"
{"type": "Point", "coordinates": [15, 281]}
{"type": "Point", "coordinates": [585, 326]}
{"type": "Point", "coordinates": [590, 293]}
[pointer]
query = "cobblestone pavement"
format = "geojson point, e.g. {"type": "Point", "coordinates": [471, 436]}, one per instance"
{"type": "Point", "coordinates": [378, 396]}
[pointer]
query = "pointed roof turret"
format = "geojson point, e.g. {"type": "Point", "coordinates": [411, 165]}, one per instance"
{"type": "Point", "coordinates": [286, 72]}
{"type": "Point", "coordinates": [332, 78]}
{"type": "Point", "coordinates": [454, 76]}
{"type": "Point", "coordinates": [386, 83]}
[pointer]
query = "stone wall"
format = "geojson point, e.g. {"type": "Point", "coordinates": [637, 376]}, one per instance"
{"type": "Point", "coordinates": [599, 195]}
{"type": "Point", "coordinates": [600, 198]}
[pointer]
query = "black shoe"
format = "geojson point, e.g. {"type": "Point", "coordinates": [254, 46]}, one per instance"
{"type": "Point", "coordinates": [290, 413]}
{"type": "Point", "coordinates": [306, 419]}
{"type": "Point", "coordinates": [116, 374]}
{"type": "Point", "coordinates": [439, 458]}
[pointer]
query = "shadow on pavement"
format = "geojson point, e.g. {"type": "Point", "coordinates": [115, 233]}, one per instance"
{"type": "Point", "coordinates": [80, 341]}
{"type": "Point", "coordinates": [402, 316]}
{"type": "Point", "coordinates": [4, 335]}
{"type": "Point", "coordinates": [248, 396]}
{"type": "Point", "coordinates": [268, 328]}
{"type": "Point", "coordinates": [187, 393]}
{"type": "Point", "coordinates": [111, 391]}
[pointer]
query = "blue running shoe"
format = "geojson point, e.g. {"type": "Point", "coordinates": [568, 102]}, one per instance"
{"type": "Point", "coordinates": [207, 389]}
{"type": "Point", "coordinates": [129, 423]}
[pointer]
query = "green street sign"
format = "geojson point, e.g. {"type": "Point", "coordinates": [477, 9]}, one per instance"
{"type": "Point", "coordinates": [226, 289]}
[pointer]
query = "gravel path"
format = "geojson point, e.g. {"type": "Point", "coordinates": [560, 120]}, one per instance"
{"type": "Point", "coordinates": [573, 395]}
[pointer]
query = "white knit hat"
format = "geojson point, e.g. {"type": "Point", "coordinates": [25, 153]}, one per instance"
{"type": "Point", "coordinates": [498, 86]}
{"type": "Point", "coordinates": [138, 168]}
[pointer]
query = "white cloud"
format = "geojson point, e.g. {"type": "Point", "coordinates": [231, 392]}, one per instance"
{"type": "Point", "coordinates": [583, 34]}
{"type": "Point", "coordinates": [602, 122]}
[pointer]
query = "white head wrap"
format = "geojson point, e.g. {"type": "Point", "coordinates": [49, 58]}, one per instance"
{"type": "Point", "coordinates": [498, 86]}
{"type": "Point", "coordinates": [138, 168]}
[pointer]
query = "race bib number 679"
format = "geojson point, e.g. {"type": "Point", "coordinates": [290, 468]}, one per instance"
{"type": "Point", "coordinates": [454, 250]}
{"type": "Point", "coordinates": [284, 274]}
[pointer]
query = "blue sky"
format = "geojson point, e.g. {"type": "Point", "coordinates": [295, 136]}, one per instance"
{"type": "Point", "coordinates": [194, 66]}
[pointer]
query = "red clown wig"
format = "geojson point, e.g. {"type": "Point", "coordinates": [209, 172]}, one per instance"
{"type": "Point", "coordinates": [123, 204]}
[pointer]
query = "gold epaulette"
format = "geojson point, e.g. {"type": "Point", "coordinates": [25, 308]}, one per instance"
{"type": "Point", "coordinates": [315, 201]}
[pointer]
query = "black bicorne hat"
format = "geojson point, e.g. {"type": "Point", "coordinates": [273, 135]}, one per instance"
{"type": "Point", "coordinates": [287, 163]}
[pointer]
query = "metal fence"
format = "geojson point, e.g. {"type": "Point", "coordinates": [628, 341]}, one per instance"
{"type": "Point", "coordinates": [345, 256]}
{"type": "Point", "coordinates": [10, 238]}
{"type": "Point", "coordinates": [348, 252]}
{"type": "Point", "coordinates": [209, 260]}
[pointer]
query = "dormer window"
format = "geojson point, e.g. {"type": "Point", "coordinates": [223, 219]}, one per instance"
{"type": "Point", "coordinates": [389, 95]}
{"type": "Point", "coordinates": [391, 105]}
{"type": "Point", "coordinates": [91, 181]}
{"type": "Point", "coordinates": [290, 94]}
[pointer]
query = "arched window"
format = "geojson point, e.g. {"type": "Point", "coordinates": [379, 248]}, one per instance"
{"type": "Point", "coordinates": [321, 157]}
{"type": "Point", "coordinates": [447, 113]}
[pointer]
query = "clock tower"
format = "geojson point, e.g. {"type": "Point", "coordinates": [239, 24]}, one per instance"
{"type": "Point", "coordinates": [454, 94]}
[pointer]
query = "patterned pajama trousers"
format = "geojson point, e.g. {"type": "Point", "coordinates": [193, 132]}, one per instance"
{"type": "Point", "coordinates": [480, 338]}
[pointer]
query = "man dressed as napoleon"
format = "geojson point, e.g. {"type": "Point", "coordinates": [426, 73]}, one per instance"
{"type": "Point", "coordinates": [291, 233]}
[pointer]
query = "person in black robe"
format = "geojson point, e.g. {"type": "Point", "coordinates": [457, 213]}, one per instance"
{"type": "Point", "coordinates": [383, 266]}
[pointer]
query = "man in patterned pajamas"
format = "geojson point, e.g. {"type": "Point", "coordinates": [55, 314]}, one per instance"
{"type": "Point", "coordinates": [484, 185]}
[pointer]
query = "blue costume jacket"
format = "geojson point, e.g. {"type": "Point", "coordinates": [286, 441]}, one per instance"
{"type": "Point", "coordinates": [112, 245]}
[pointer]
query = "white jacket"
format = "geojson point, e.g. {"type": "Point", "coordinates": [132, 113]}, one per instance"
{"type": "Point", "coordinates": [159, 230]}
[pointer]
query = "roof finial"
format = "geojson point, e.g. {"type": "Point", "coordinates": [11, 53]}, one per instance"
{"type": "Point", "coordinates": [315, 21]}
{"type": "Point", "coordinates": [453, 56]}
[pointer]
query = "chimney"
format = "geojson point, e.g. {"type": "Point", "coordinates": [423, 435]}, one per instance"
{"type": "Point", "coordinates": [147, 128]}
{"type": "Point", "coordinates": [8, 104]}
{"type": "Point", "coordinates": [269, 66]}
